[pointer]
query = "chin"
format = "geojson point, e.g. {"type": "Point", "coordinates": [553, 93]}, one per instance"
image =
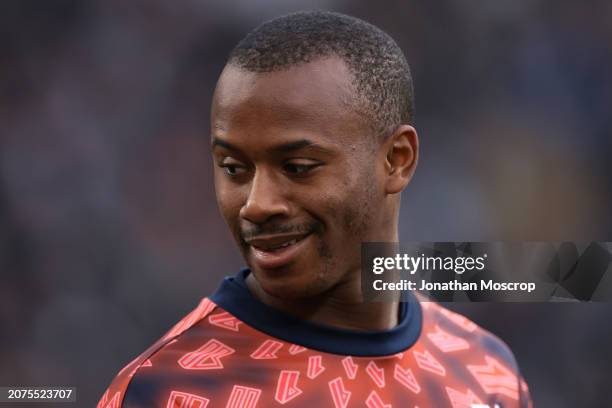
{"type": "Point", "coordinates": [288, 284]}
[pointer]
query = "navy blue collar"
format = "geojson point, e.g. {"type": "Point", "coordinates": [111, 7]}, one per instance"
{"type": "Point", "coordinates": [234, 296]}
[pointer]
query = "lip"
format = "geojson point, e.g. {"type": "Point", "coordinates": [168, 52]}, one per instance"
{"type": "Point", "coordinates": [275, 258]}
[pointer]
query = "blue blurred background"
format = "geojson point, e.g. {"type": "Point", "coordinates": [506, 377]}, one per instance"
{"type": "Point", "coordinates": [109, 230]}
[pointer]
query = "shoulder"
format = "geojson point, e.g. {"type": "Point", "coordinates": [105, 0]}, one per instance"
{"type": "Point", "coordinates": [450, 331]}
{"type": "Point", "coordinates": [204, 308]}
{"type": "Point", "coordinates": [115, 393]}
{"type": "Point", "coordinates": [481, 355]}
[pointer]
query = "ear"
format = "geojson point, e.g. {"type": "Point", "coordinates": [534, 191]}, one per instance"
{"type": "Point", "coordinates": [402, 153]}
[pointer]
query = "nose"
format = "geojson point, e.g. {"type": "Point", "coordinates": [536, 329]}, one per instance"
{"type": "Point", "coordinates": [265, 200]}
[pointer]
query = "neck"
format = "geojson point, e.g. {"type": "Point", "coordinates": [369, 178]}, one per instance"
{"type": "Point", "coordinates": [341, 306]}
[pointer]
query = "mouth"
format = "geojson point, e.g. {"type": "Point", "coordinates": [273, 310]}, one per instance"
{"type": "Point", "coordinates": [274, 251]}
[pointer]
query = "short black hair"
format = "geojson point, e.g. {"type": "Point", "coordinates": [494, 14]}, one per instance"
{"type": "Point", "coordinates": [381, 73]}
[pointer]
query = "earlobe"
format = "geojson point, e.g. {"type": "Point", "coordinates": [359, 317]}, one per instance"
{"type": "Point", "coordinates": [401, 158]}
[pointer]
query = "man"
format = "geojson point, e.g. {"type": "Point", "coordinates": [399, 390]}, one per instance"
{"type": "Point", "coordinates": [313, 142]}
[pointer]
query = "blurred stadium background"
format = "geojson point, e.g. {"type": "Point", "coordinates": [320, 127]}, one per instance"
{"type": "Point", "coordinates": [109, 231]}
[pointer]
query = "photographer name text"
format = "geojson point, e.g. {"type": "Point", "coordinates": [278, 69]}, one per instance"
{"type": "Point", "coordinates": [404, 284]}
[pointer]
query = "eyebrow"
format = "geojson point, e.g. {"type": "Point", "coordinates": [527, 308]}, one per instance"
{"type": "Point", "coordinates": [292, 146]}
{"type": "Point", "coordinates": [281, 148]}
{"type": "Point", "coordinates": [222, 143]}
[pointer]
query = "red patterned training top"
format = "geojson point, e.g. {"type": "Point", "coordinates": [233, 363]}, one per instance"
{"type": "Point", "coordinates": [233, 351]}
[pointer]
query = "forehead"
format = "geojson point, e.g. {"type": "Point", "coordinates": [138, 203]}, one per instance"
{"type": "Point", "coordinates": [315, 96]}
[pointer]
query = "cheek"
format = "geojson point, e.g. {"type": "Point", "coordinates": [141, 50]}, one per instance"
{"type": "Point", "coordinates": [358, 210]}
{"type": "Point", "coordinates": [229, 201]}
{"type": "Point", "coordinates": [349, 209]}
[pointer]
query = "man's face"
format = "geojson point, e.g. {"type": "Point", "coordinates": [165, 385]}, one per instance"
{"type": "Point", "coordinates": [295, 175]}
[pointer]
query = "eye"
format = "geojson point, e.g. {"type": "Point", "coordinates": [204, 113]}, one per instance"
{"type": "Point", "coordinates": [232, 170]}
{"type": "Point", "coordinates": [300, 167]}
{"type": "Point", "coordinates": [232, 167]}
